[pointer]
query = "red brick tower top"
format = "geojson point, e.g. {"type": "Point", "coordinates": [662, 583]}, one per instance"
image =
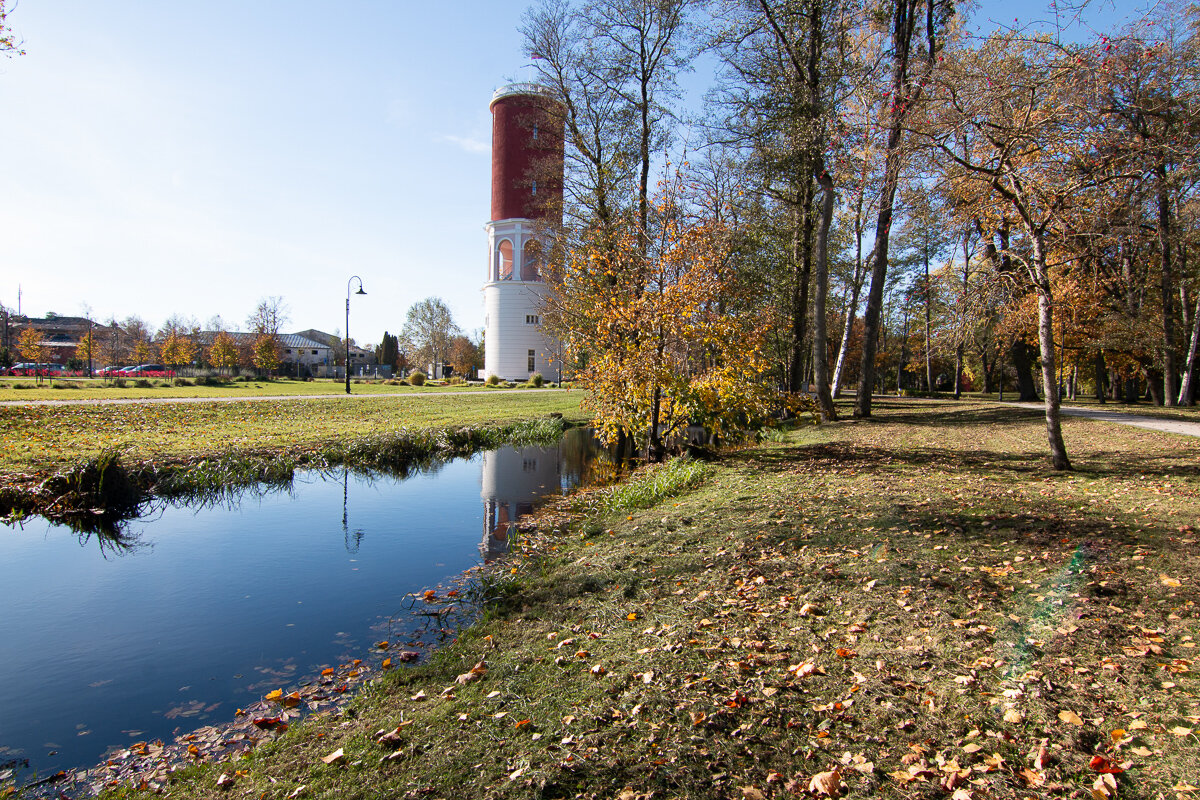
{"type": "Point", "coordinates": [527, 153]}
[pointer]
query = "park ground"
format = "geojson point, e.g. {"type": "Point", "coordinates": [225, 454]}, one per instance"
{"type": "Point", "coordinates": [913, 606]}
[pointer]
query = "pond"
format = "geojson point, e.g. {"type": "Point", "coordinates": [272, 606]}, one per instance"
{"type": "Point", "coordinates": [191, 613]}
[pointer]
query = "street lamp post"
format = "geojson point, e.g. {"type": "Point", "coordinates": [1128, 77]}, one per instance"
{"type": "Point", "coordinates": [350, 282]}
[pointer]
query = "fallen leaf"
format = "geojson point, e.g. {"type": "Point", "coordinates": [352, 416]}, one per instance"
{"type": "Point", "coordinates": [297, 792]}
{"type": "Point", "coordinates": [751, 793]}
{"type": "Point", "coordinates": [275, 695]}
{"type": "Point", "coordinates": [828, 784]}
{"type": "Point", "coordinates": [336, 757]}
{"type": "Point", "coordinates": [475, 673]}
{"type": "Point", "coordinates": [1169, 581]}
{"type": "Point", "coordinates": [1105, 787]}
{"type": "Point", "coordinates": [1070, 717]}
{"type": "Point", "coordinates": [1032, 778]}
{"type": "Point", "coordinates": [1013, 716]}
{"type": "Point", "coordinates": [419, 696]}
{"type": "Point", "coordinates": [225, 781]}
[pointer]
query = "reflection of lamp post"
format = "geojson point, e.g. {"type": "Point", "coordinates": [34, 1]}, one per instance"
{"type": "Point", "coordinates": [353, 278]}
{"type": "Point", "coordinates": [346, 535]}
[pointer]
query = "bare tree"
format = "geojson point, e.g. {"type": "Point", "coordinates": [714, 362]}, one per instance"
{"type": "Point", "coordinates": [429, 331]}
{"type": "Point", "coordinates": [269, 316]}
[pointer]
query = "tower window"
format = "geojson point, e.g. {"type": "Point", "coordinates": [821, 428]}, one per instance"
{"type": "Point", "coordinates": [504, 261]}
{"type": "Point", "coordinates": [532, 360]}
{"type": "Point", "coordinates": [535, 187]}
{"type": "Point", "coordinates": [535, 131]}
{"type": "Point", "coordinates": [532, 319]}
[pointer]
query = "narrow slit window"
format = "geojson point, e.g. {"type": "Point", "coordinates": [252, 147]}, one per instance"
{"type": "Point", "coordinates": [532, 360]}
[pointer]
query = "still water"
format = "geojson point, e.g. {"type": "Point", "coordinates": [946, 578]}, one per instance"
{"type": "Point", "coordinates": [194, 613]}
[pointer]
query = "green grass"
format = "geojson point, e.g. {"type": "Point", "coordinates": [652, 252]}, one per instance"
{"type": "Point", "coordinates": [23, 389]}
{"type": "Point", "coordinates": [45, 438]}
{"type": "Point", "coordinates": [915, 600]}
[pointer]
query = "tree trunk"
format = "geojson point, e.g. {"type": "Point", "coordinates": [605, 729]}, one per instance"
{"type": "Point", "coordinates": [1022, 359]}
{"type": "Point", "coordinates": [848, 327]}
{"type": "Point", "coordinates": [1187, 388]}
{"type": "Point", "coordinates": [1041, 280]}
{"type": "Point", "coordinates": [1155, 384]}
{"type": "Point", "coordinates": [958, 359]}
{"type": "Point", "coordinates": [820, 343]}
{"type": "Point", "coordinates": [903, 23]}
{"type": "Point", "coordinates": [1101, 376]}
{"type": "Point", "coordinates": [928, 325]}
{"type": "Point", "coordinates": [801, 272]}
{"type": "Point", "coordinates": [1168, 289]}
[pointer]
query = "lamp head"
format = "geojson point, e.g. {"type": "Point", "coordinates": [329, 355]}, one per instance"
{"type": "Point", "coordinates": [360, 290]}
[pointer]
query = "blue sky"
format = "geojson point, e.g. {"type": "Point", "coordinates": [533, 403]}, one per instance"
{"type": "Point", "coordinates": [178, 157]}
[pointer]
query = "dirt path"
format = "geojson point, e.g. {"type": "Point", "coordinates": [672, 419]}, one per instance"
{"type": "Point", "coordinates": [1120, 418]}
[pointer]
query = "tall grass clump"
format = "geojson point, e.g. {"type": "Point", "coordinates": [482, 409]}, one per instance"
{"type": "Point", "coordinates": [655, 483]}
{"type": "Point", "coordinates": [101, 482]}
{"type": "Point", "coordinates": [220, 476]}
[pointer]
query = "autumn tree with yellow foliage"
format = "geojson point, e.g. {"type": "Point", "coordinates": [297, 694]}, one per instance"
{"type": "Point", "coordinates": [654, 318]}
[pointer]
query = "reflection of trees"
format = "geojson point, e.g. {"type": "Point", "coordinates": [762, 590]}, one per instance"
{"type": "Point", "coordinates": [585, 461]}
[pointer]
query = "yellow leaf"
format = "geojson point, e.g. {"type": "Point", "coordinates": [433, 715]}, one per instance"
{"type": "Point", "coordinates": [275, 695]}
{"type": "Point", "coordinates": [1069, 717]}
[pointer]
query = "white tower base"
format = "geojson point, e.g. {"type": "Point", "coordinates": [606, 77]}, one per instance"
{"type": "Point", "coordinates": [515, 345]}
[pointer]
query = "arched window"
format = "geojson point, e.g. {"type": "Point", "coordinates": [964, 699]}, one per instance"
{"type": "Point", "coordinates": [531, 261]}
{"type": "Point", "coordinates": [504, 260]}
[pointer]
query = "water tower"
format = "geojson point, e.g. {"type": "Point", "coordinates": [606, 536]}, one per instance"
{"type": "Point", "coordinates": [527, 190]}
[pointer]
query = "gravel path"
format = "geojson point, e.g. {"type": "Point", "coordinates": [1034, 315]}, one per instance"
{"type": "Point", "coordinates": [1120, 418]}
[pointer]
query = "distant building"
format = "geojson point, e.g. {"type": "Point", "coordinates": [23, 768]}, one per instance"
{"type": "Point", "coordinates": [60, 335]}
{"type": "Point", "coordinates": [362, 359]}
{"type": "Point", "coordinates": [527, 192]}
{"type": "Point", "coordinates": [298, 354]}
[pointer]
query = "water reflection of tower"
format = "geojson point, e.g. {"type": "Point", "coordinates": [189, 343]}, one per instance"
{"type": "Point", "coordinates": [514, 478]}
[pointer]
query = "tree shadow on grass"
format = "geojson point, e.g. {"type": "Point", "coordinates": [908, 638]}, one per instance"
{"type": "Point", "coordinates": [1042, 521]}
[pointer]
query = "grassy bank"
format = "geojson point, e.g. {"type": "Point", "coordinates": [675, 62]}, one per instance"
{"type": "Point", "coordinates": [26, 389]}
{"type": "Point", "coordinates": [62, 459]}
{"type": "Point", "coordinates": [39, 438]}
{"type": "Point", "coordinates": [912, 606]}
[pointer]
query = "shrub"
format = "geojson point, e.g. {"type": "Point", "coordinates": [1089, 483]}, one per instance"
{"type": "Point", "coordinates": [536, 379]}
{"type": "Point", "coordinates": [142, 383]}
{"type": "Point", "coordinates": [119, 383]}
{"type": "Point", "coordinates": [183, 382]}
{"type": "Point", "coordinates": [417, 378]}
{"type": "Point", "coordinates": [456, 380]}
{"type": "Point", "coordinates": [493, 380]}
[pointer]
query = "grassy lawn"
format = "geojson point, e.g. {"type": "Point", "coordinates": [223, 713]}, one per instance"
{"type": "Point", "coordinates": [44, 438]}
{"type": "Point", "coordinates": [911, 606]}
{"type": "Point", "coordinates": [24, 389]}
